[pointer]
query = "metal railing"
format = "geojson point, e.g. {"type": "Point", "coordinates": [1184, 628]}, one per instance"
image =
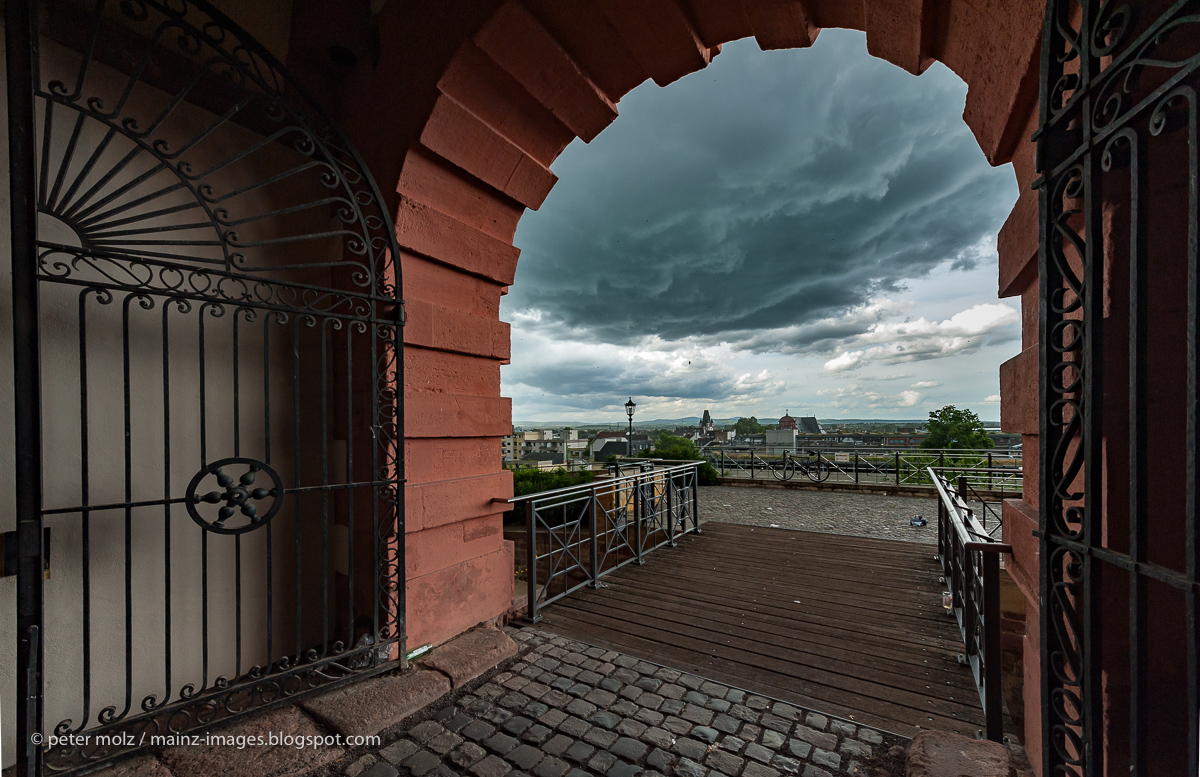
{"type": "Point", "coordinates": [985, 470]}
{"type": "Point", "coordinates": [577, 535]}
{"type": "Point", "coordinates": [970, 560]}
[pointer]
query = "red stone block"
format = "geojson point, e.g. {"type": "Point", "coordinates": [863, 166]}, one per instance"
{"type": "Point", "coordinates": [472, 654]}
{"type": "Point", "coordinates": [475, 81]}
{"type": "Point", "coordinates": [435, 182]}
{"type": "Point", "coordinates": [660, 36]}
{"type": "Point", "coordinates": [894, 32]}
{"type": "Point", "coordinates": [780, 24]}
{"type": "Point", "coordinates": [429, 459]}
{"type": "Point", "coordinates": [1030, 314]}
{"type": "Point", "coordinates": [527, 51]}
{"type": "Point", "coordinates": [1020, 402]}
{"type": "Point", "coordinates": [456, 415]}
{"type": "Point", "coordinates": [1020, 522]}
{"type": "Point", "coordinates": [1031, 463]}
{"type": "Point", "coordinates": [1033, 682]}
{"type": "Point", "coordinates": [430, 550]}
{"type": "Point", "coordinates": [995, 50]}
{"type": "Point", "coordinates": [592, 43]}
{"type": "Point", "coordinates": [447, 329]}
{"type": "Point", "coordinates": [441, 284]}
{"type": "Point", "coordinates": [1017, 245]}
{"type": "Point", "coordinates": [460, 137]}
{"type": "Point", "coordinates": [443, 502]}
{"type": "Point", "coordinates": [431, 233]}
{"type": "Point", "coordinates": [718, 21]}
{"type": "Point", "coordinates": [452, 600]}
{"type": "Point", "coordinates": [439, 371]}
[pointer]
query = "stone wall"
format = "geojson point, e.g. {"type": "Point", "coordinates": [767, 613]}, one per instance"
{"type": "Point", "coordinates": [461, 108]}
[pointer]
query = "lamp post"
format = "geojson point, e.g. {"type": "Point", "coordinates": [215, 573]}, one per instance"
{"type": "Point", "coordinates": [629, 406]}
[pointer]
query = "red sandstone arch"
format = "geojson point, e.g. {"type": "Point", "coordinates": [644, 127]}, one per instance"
{"type": "Point", "coordinates": [468, 104]}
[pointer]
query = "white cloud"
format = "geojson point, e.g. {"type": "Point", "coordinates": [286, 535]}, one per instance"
{"type": "Point", "coordinates": [992, 399]}
{"type": "Point", "coordinates": [909, 341]}
{"type": "Point", "coordinates": [926, 384]}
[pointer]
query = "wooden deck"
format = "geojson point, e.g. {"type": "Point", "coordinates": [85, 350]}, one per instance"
{"type": "Point", "coordinates": [849, 626]}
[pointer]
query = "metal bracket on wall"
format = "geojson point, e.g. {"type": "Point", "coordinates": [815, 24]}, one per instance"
{"type": "Point", "coordinates": [8, 553]}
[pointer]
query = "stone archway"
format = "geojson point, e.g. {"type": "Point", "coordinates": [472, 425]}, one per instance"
{"type": "Point", "coordinates": [466, 108]}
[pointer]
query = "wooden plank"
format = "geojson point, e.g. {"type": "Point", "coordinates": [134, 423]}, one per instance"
{"type": "Point", "coordinates": [844, 625]}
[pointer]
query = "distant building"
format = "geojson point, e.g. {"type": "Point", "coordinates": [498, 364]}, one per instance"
{"type": "Point", "coordinates": [541, 460]}
{"type": "Point", "coordinates": [706, 424]}
{"type": "Point", "coordinates": [781, 438]}
{"type": "Point", "coordinates": [808, 425]}
{"type": "Point", "coordinates": [620, 447]}
{"type": "Point", "coordinates": [787, 422]}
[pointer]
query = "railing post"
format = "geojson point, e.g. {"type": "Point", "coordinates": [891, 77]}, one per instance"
{"type": "Point", "coordinates": [752, 465]}
{"type": "Point", "coordinates": [696, 499]}
{"type": "Point", "coordinates": [671, 510]}
{"type": "Point", "coordinates": [992, 710]}
{"type": "Point", "coordinates": [989, 477]}
{"type": "Point", "coordinates": [856, 468]}
{"type": "Point", "coordinates": [897, 467]}
{"type": "Point", "coordinates": [962, 487]}
{"type": "Point", "coordinates": [637, 517]}
{"type": "Point", "coordinates": [531, 556]}
{"type": "Point", "coordinates": [595, 554]}
{"type": "Point", "coordinates": [722, 463]}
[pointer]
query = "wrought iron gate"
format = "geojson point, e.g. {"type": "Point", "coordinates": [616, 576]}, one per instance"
{"type": "Point", "coordinates": [207, 362]}
{"type": "Point", "coordinates": [1120, 614]}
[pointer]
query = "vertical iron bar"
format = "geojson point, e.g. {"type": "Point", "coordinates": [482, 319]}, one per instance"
{"type": "Point", "coordinates": [1138, 462]}
{"type": "Point", "coordinates": [531, 555]}
{"type": "Point", "coordinates": [993, 708]}
{"type": "Point", "coordinates": [856, 468]}
{"type": "Point", "coordinates": [1093, 415]}
{"type": "Point", "coordinates": [166, 500]}
{"type": "Point", "coordinates": [20, 53]}
{"type": "Point", "coordinates": [270, 603]}
{"type": "Point", "coordinates": [595, 550]}
{"type": "Point", "coordinates": [350, 616]}
{"type": "Point", "coordinates": [324, 488]}
{"type": "Point", "coordinates": [86, 516]}
{"type": "Point", "coordinates": [638, 516]}
{"type": "Point", "coordinates": [695, 473]}
{"type": "Point", "coordinates": [128, 410]}
{"type": "Point", "coordinates": [1192, 506]}
{"type": "Point", "coordinates": [897, 467]}
{"type": "Point", "coordinates": [671, 510]}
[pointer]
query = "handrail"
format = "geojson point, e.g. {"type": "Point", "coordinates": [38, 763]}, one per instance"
{"type": "Point", "coordinates": [588, 530]}
{"type": "Point", "coordinates": [585, 486]}
{"type": "Point", "coordinates": [899, 467]}
{"type": "Point", "coordinates": [970, 560]}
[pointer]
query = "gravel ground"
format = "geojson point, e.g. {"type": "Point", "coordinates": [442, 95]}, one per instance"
{"type": "Point", "coordinates": [837, 512]}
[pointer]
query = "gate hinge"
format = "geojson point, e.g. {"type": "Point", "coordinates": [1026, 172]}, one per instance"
{"type": "Point", "coordinates": [9, 553]}
{"type": "Point", "coordinates": [401, 313]}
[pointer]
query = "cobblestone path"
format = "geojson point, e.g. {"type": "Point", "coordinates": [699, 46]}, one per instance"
{"type": "Point", "coordinates": [564, 709]}
{"type": "Point", "coordinates": [838, 512]}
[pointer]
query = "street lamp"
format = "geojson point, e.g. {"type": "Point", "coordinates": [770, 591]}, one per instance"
{"type": "Point", "coordinates": [629, 406]}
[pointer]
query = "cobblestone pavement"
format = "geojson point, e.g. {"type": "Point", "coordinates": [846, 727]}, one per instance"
{"type": "Point", "coordinates": [564, 709]}
{"type": "Point", "coordinates": [837, 512]}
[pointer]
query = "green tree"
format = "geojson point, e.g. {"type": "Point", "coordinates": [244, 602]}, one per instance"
{"type": "Point", "coordinates": [745, 426]}
{"type": "Point", "coordinates": [954, 428]}
{"type": "Point", "coordinates": [668, 446]}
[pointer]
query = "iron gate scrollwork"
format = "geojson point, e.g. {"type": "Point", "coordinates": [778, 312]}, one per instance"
{"type": "Point", "coordinates": [207, 340]}
{"type": "Point", "coordinates": [1117, 153]}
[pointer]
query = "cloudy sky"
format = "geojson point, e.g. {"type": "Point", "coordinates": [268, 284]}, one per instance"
{"type": "Point", "coordinates": [811, 231]}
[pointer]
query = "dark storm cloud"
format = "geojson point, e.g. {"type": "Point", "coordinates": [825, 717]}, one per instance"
{"type": "Point", "coordinates": [814, 182]}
